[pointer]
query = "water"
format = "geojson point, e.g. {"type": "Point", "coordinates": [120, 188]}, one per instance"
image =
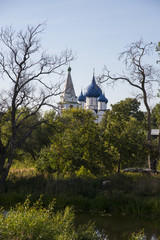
{"type": "Point", "coordinates": [121, 228]}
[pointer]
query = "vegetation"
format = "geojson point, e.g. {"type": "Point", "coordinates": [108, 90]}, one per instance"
{"type": "Point", "coordinates": [36, 222]}
{"type": "Point", "coordinates": [141, 76]}
{"type": "Point", "coordinates": [76, 156]}
{"type": "Point", "coordinates": [124, 129]}
{"type": "Point", "coordinates": [72, 144]}
{"type": "Point", "coordinates": [77, 147]}
{"type": "Point", "coordinates": [70, 157]}
{"type": "Point", "coordinates": [117, 194]}
{"type": "Point", "coordinates": [139, 236]}
{"type": "Point", "coordinates": [23, 64]}
{"type": "Point", "coordinates": [72, 148]}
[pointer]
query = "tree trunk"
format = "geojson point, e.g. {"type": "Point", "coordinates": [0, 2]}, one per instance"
{"type": "Point", "coordinates": [149, 161]}
{"type": "Point", "coordinates": [158, 150]}
{"type": "Point", "coordinates": [6, 168]}
{"type": "Point", "coordinates": [2, 165]}
{"type": "Point", "coordinates": [4, 175]}
{"type": "Point", "coordinates": [119, 164]}
{"type": "Point", "coordinates": [2, 159]}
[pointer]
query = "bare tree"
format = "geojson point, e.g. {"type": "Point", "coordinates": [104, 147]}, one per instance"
{"type": "Point", "coordinates": [25, 67]}
{"type": "Point", "coordinates": [139, 75]}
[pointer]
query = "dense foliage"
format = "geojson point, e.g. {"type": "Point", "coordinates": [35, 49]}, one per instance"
{"type": "Point", "coordinates": [77, 147]}
{"type": "Point", "coordinates": [36, 222]}
{"type": "Point", "coordinates": [124, 129]}
{"type": "Point", "coordinates": [73, 144]}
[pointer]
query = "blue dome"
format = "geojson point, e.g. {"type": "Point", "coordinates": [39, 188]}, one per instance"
{"type": "Point", "coordinates": [106, 100]}
{"type": "Point", "coordinates": [93, 90]}
{"type": "Point", "coordinates": [102, 98]}
{"type": "Point", "coordinates": [81, 98]}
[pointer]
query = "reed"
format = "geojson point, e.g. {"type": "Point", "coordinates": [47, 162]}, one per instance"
{"type": "Point", "coordinates": [122, 194]}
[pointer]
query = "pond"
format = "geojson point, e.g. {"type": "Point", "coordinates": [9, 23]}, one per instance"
{"type": "Point", "coordinates": [121, 228]}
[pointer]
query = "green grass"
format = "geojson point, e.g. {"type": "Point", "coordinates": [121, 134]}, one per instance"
{"type": "Point", "coordinates": [124, 194]}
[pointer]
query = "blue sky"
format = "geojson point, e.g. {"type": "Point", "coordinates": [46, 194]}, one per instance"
{"type": "Point", "coordinates": [96, 30]}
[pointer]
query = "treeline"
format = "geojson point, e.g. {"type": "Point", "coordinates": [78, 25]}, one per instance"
{"type": "Point", "coordinates": [73, 144]}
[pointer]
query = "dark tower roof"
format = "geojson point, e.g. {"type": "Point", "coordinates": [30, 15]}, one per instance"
{"type": "Point", "coordinates": [81, 98]}
{"type": "Point", "coordinates": [93, 90]}
{"type": "Point", "coordinates": [102, 98]}
{"type": "Point", "coordinates": [69, 88]}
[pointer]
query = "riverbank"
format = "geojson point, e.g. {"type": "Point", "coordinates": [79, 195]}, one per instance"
{"type": "Point", "coordinates": [121, 227]}
{"type": "Point", "coordinates": [118, 194]}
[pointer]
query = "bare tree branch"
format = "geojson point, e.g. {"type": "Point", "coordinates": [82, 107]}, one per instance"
{"type": "Point", "coordinates": [139, 75]}
{"type": "Point", "coordinates": [27, 66]}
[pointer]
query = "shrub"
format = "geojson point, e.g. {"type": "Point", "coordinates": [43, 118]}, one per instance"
{"type": "Point", "coordinates": [138, 236]}
{"type": "Point", "coordinates": [36, 222]}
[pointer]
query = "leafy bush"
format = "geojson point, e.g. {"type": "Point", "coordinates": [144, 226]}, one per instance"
{"type": "Point", "coordinates": [138, 236]}
{"type": "Point", "coordinates": [36, 222]}
{"type": "Point", "coordinates": [83, 172]}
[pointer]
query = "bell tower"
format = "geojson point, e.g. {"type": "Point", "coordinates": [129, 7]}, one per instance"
{"type": "Point", "coordinates": [68, 98]}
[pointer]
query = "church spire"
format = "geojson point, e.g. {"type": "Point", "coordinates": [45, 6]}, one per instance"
{"type": "Point", "coordinates": [93, 71]}
{"type": "Point", "coordinates": [69, 88]}
{"type": "Point", "coordinates": [69, 69]}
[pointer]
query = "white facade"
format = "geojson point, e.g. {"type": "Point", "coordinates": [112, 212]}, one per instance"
{"type": "Point", "coordinates": [91, 103]}
{"type": "Point", "coordinates": [92, 98]}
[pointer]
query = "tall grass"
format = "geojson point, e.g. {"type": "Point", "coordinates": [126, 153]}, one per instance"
{"type": "Point", "coordinates": [125, 194]}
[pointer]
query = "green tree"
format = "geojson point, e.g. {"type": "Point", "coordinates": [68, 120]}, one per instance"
{"type": "Point", "coordinates": [130, 107]}
{"type": "Point", "coordinates": [156, 124]}
{"type": "Point", "coordinates": [156, 115]}
{"type": "Point", "coordinates": [24, 64]}
{"type": "Point", "coordinates": [78, 144]}
{"type": "Point", "coordinates": [141, 76]}
{"type": "Point", "coordinates": [125, 133]}
{"type": "Point", "coordinates": [38, 138]}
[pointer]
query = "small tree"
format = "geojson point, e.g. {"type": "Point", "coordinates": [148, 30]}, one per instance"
{"type": "Point", "coordinates": [139, 75]}
{"type": "Point", "coordinates": [23, 64]}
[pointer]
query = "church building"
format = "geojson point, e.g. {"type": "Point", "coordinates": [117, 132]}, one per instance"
{"type": "Point", "coordinates": [92, 98]}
